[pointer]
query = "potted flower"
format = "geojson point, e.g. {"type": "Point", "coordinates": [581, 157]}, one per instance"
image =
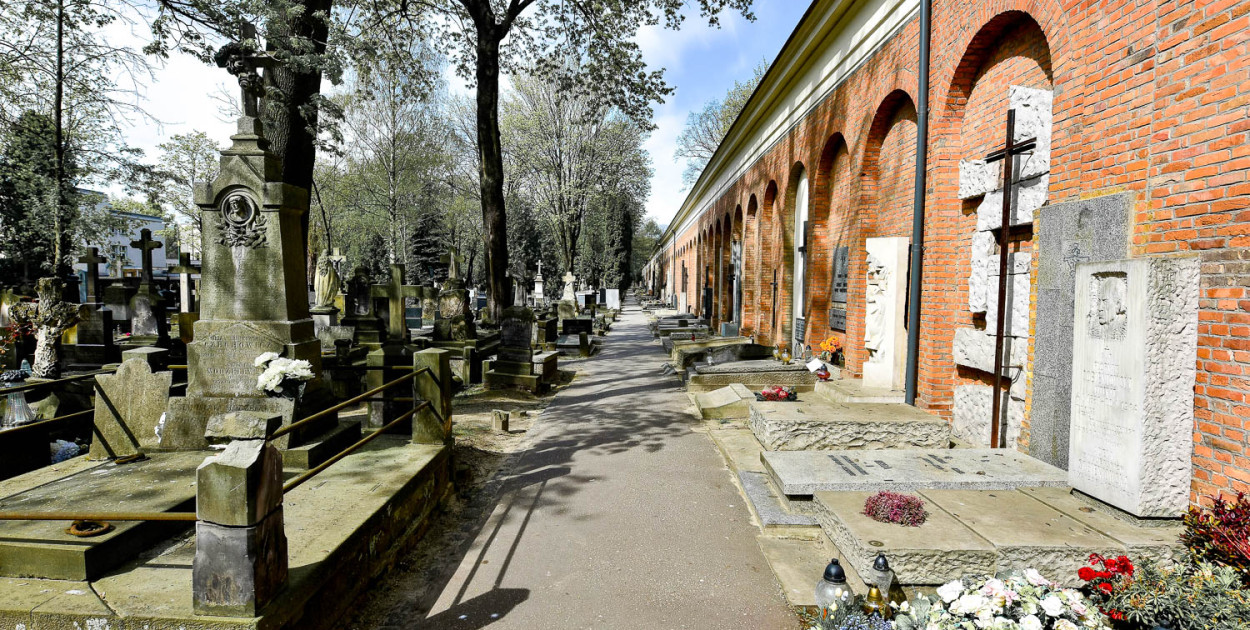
{"type": "Point", "coordinates": [282, 377]}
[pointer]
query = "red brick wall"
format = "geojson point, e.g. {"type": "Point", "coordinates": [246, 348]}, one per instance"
{"type": "Point", "coordinates": [1150, 97]}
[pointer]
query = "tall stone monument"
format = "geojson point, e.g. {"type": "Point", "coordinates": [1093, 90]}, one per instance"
{"type": "Point", "coordinates": [1135, 345]}
{"type": "Point", "coordinates": [884, 332]}
{"type": "Point", "coordinates": [94, 343]}
{"type": "Point", "coordinates": [253, 295]}
{"type": "Point", "coordinates": [147, 313]}
{"type": "Point", "coordinates": [455, 321]}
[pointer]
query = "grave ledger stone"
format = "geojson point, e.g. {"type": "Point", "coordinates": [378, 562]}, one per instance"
{"type": "Point", "coordinates": [253, 293]}
{"type": "Point", "coordinates": [1135, 342]}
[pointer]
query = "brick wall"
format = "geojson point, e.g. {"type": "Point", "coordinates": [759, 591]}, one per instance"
{"type": "Point", "coordinates": [1150, 97]}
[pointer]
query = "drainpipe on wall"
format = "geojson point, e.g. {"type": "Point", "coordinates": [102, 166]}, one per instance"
{"type": "Point", "coordinates": [917, 222]}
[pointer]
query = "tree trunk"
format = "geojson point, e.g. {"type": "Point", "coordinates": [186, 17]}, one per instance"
{"type": "Point", "coordinates": [286, 127]}
{"type": "Point", "coordinates": [490, 171]}
{"type": "Point", "coordinates": [60, 213]}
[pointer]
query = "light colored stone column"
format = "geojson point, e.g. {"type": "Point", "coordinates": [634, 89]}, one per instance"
{"type": "Point", "coordinates": [432, 425]}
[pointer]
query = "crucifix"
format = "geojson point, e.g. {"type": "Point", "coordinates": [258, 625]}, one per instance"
{"type": "Point", "coordinates": [93, 259]}
{"type": "Point", "coordinates": [453, 260]}
{"type": "Point", "coordinates": [540, 270]}
{"type": "Point", "coordinates": [241, 60]}
{"type": "Point", "coordinates": [145, 245]}
{"type": "Point", "coordinates": [186, 296]}
{"type": "Point", "coordinates": [1010, 149]}
{"type": "Point", "coordinates": [395, 293]}
{"type": "Point", "coordinates": [774, 285]}
{"type": "Point", "coordinates": [336, 260]}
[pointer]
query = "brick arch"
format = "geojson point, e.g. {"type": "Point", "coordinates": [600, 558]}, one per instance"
{"type": "Point", "coordinates": [785, 260]}
{"type": "Point", "coordinates": [751, 266]}
{"type": "Point", "coordinates": [886, 183]}
{"type": "Point", "coordinates": [834, 224]}
{"type": "Point", "coordinates": [1010, 48]}
{"type": "Point", "coordinates": [768, 252]}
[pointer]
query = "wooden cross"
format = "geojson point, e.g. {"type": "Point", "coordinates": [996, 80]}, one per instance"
{"type": "Point", "coordinates": [145, 245]}
{"type": "Point", "coordinates": [395, 292]}
{"type": "Point", "coordinates": [1010, 149]}
{"type": "Point", "coordinates": [93, 259]}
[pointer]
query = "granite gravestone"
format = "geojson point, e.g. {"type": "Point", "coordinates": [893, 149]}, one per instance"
{"type": "Point", "coordinates": [360, 314]}
{"type": "Point", "coordinates": [514, 365]}
{"type": "Point", "coordinates": [94, 342]}
{"type": "Point", "coordinates": [841, 285]}
{"type": "Point", "coordinates": [254, 295]}
{"type": "Point", "coordinates": [1068, 234]}
{"type": "Point", "coordinates": [147, 313]}
{"type": "Point", "coordinates": [1135, 345]}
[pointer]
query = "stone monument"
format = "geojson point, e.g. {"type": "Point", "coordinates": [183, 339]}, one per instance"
{"type": "Point", "coordinates": [455, 321]}
{"type": "Point", "coordinates": [326, 285]}
{"type": "Point", "coordinates": [1135, 344]}
{"type": "Point", "coordinates": [515, 363]}
{"type": "Point", "coordinates": [148, 326]}
{"type": "Point", "coordinates": [360, 312]}
{"type": "Point", "coordinates": [253, 296]}
{"type": "Point", "coordinates": [94, 343]}
{"type": "Point", "coordinates": [884, 332]}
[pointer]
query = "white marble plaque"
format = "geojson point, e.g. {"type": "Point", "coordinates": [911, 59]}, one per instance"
{"type": "Point", "coordinates": [1133, 370]}
{"type": "Point", "coordinates": [884, 333]}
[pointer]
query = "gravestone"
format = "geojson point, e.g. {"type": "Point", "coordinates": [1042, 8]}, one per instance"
{"type": "Point", "coordinates": [129, 407]}
{"type": "Point", "coordinates": [982, 179]}
{"type": "Point", "coordinates": [514, 365]}
{"type": "Point", "coordinates": [147, 313]}
{"type": "Point", "coordinates": [360, 313]}
{"type": "Point", "coordinates": [188, 298]}
{"type": "Point", "coordinates": [884, 333]}
{"type": "Point", "coordinates": [396, 293]}
{"type": "Point", "coordinates": [455, 318]}
{"type": "Point", "coordinates": [94, 342]}
{"type": "Point", "coordinates": [253, 296]}
{"type": "Point", "coordinates": [429, 306]}
{"type": "Point", "coordinates": [612, 299]}
{"type": "Point", "coordinates": [1135, 345]}
{"type": "Point", "coordinates": [546, 333]}
{"type": "Point", "coordinates": [539, 297]}
{"type": "Point", "coordinates": [567, 308]}
{"type": "Point", "coordinates": [1089, 230]}
{"type": "Point", "coordinates": [841, 287]}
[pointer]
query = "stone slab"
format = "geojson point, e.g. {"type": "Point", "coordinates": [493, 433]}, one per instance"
{"type": "Point", "coordinates": [321, 448]}
{"type": "Point", "coordinates": [801, 380]}
{"type": "Point", "coordinates": [1067, 234]}
{"type": "Point", "coordinates": [129, 407]}
{"type": "Point", "coordinates": [1135, 343]}
{"type": "Point", "coordinates": [975, 349]}
{"type": "Point", "coordinates": [940, 550]}
{"type": "Point", "coordinates": [972, 409]}
{"type": "Point", "coordinates": [816, 424]}
{"type": "Point", "coordinates": [767, 506]}
{"type": "Point", "coordinates": [852, 390]}
{"type": "Point", "coordinates": [1025, 532]}
{"type": "Point", "coordinates": [808, 472]}
{"type": "Point", "coordinates": [163, 483]}
{"type": "Point", "coordinates": [1159, 539]}
{"type": "Point", "coordinates": [1027, 196]}
{"type": "Point", "coordinates": [768, 366]}
{"type": "Point", "coordinates": [725, 403]}
{"type": "Point", "coordinates": [740, 448]}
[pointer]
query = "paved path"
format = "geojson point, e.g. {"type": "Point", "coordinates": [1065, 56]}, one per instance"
{"type": "Point", "coordinates": [618, 516]}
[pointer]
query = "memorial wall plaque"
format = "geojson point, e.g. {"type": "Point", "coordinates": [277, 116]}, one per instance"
{"type": "Point", "coordinates": [841, 273]}
{"type": "Point", "coordinates": [1134, 350]}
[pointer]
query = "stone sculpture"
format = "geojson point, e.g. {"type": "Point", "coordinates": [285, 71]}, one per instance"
{"type": "Point", "coordinates": [50, 317]}
{"type": "Point", "coordinates": [326, 283]}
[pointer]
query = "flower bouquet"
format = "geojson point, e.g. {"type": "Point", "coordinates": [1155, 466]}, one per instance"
{"type": "Point", "coordinates": [777, 393]}
{"type": "Point", "coordinates": [281, 376]}
{"type": "Point", "coordinates": [1025, 601]}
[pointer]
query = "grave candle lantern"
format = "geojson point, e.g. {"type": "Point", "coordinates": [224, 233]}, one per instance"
{"type": "Point", "coordinates": [832, 587]}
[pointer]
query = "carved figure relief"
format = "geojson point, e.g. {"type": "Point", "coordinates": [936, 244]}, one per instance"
{"type": "Point", "coordinates": [359, 297]}
{"type": "Point", "coordinates": [242, 223]}
{"type": "Point", "coordinates": [1109, 318]}
{"type": "Point", "coordinates": [874, 329]}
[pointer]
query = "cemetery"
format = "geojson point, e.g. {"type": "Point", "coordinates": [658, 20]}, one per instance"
{"type": "Point", "coordinates": [944, 327]}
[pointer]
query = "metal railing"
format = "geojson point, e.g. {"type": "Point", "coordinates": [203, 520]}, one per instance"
{"type": "Point", "coordinates": [46, 423]}
{"type": "Point", "coordinates": [57, 381]}
{"type": "Point", "coordinates": [289, 486]}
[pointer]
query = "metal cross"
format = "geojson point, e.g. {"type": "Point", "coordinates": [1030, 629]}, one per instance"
{"type": "Point", "coordinates": [1010, 149]}
{"type": "Point", "coordinates": [395, 292]}
{"type": "Point", "coordinates": [93, 259]}
{"type": "Point", "coordinates": [145, 245]}
{"type": "Point", "coordinates": [774, 284]}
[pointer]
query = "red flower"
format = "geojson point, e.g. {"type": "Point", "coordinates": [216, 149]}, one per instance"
{"type": "Point", "coordinates": [1105, 587]}
{"type": "Point", "coordinates": [1085, 573]}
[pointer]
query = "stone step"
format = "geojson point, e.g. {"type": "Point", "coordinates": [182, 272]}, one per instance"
{"type": "Point", "coordinates": [814, 423]}
{"type": "Point", "coordinates": [800, 473]}
{"type": "Point", "coordinates": [321, 448]}
{"type": "Point", "coordinates": [165, 482]}
{"type": "Point", "coordinates": [725, 403]}
{"type": "Point", "coordinates": [852, 390]}
{"type": "Point", "coordinates": [798, 563]}
{"type": "Point", "coordinates": [768, 507]}
{"type": "Point", "coordinates": [981, 532]}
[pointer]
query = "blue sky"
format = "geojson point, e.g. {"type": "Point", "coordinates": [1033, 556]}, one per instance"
{"type": "Point", "coordinates": [701, 63]}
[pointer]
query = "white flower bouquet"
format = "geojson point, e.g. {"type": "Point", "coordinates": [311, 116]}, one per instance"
{"type": "Point", "coordinates": [1025, 601]}
{"type": "Point", "coordinates": [279, 374]}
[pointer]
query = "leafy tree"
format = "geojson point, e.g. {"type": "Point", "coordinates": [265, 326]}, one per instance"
{"type": "Point", "coordinates": [706, 128]}
{"type": "Point", "coordinates": [643, 247]}
{"type": "Point", "coordinates": [188, 160]}
{"type": "Point", "coordinates": [60, 64]}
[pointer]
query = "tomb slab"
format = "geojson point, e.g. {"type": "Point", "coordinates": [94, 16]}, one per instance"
{"type": "Point", "coordinates": [799, 473]}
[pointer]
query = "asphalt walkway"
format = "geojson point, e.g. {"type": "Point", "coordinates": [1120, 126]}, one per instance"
{"type": "Point", "coordinates": [618, 516]}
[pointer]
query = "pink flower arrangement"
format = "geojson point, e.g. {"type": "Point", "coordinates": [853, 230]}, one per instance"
{"type": "Point", "coordinates": [892, 507]}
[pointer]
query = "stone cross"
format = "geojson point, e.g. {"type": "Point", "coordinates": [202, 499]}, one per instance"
{"type": "Point", "coordinates": [184, 270]}
{"type": "Point", "coordinates": [242, 62]}
{"type": "Point", "coordinates": [569, 279]}
{"type": "Point", "coordinates": [337, 259]}
{"type": "Point", "coordinates": [145, 245]}
{"type": "Point", "coordinates": [395, 292]}
{"type": "Point", "coordinates": [453, 260]}
{"type": "Point", "coordinates": [540, 269]}
{"type": "Point", "coordinates": [93, 259]}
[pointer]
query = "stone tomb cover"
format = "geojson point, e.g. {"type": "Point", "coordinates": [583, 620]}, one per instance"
{"type": "Point", "coordinates": [128, 410]}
